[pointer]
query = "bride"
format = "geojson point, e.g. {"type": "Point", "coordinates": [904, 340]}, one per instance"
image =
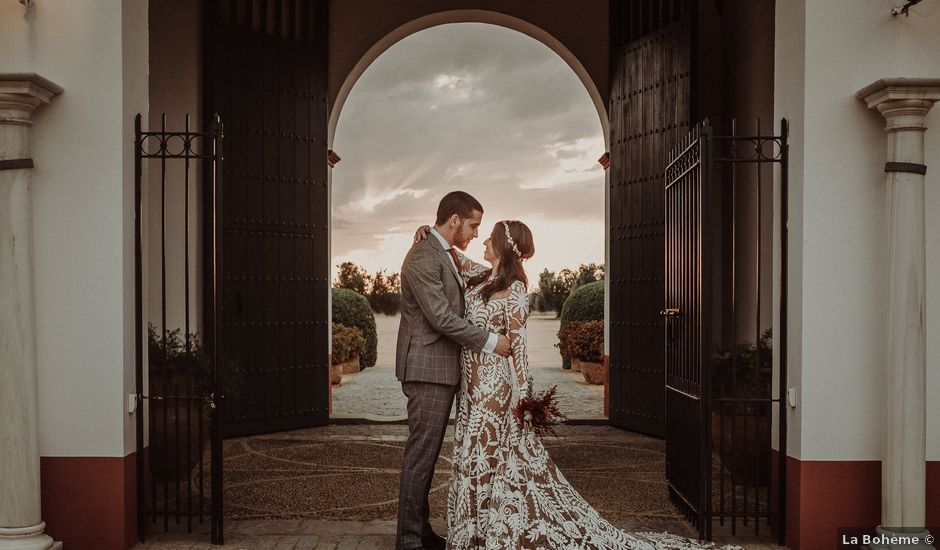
{"type": "Point", "coordinates": [506, 492]}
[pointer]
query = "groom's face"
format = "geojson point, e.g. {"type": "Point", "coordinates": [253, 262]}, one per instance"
{"type": "Point", "coordinates": [467, 230]}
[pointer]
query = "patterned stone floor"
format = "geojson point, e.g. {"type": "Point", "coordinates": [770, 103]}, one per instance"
{"type": "Point", "coordinates": [351, 473]}
{"type": "Point", "coordinates": [336, 487]}
{"type": "Point", "coordinates": [330, 535]}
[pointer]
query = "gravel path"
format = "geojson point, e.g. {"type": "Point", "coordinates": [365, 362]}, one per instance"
{"type": "Point", "coordinates": [375, 394]}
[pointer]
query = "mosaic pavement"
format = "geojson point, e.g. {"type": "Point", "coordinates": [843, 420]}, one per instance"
{"type": "Point", "coordinates": [336, 487]}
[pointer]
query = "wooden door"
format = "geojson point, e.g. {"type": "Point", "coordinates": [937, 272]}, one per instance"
{"type": "Point", "coordinates": [649, 113]}
{"type": "Point", "coordinates": [265, 67]}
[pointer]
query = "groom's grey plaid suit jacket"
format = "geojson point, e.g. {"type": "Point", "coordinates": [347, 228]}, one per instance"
{"type": "Point", "coordinates": [432, 328]}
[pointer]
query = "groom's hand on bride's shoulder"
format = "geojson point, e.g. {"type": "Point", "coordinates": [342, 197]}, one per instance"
{"type": "Point", "coordinates": [422, 233]}
{"type": "Point", "coordinates": [502, 346]}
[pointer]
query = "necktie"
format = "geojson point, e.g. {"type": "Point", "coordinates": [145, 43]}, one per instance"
{"type": "Point", "coordinates": [453, 254]}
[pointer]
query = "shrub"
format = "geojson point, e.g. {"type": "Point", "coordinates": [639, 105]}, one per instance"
{"type": "Point", "coordinates": [171, 362]}
{"type": "Point", "coordinates": [352, 309]}
{"type": "Point", "coordinates": [585, 340]}
{"type": "Point", "coordinates": [585, 303]}
{"type": "Point", "coordinates": [348, 342]}
{"type": "Point", "coordinates": [745, 371]}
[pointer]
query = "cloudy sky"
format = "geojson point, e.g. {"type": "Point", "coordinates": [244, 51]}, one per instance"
{"type": "Point", "coordinates": [478, 108]}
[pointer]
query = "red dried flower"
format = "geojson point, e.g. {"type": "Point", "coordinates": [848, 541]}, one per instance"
{"type": "Point", "coordinates": [540, 412]}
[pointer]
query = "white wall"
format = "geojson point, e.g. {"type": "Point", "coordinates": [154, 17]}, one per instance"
{"type": "Point", "coordinates": [135, 69]}
{"type": "Point", "coordinates": [84, 297]}
{"type": "Point", "coordinates": [837, 224]}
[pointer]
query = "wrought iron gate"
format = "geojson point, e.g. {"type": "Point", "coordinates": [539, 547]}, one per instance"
{"type": "Point", "coordinates": [690, 232]}
{"type": "Point", "coordinates": [265, 74]}
{"type": "Point", "coordinates": [720, 400]}
{"type": "Point", "coordinates": [176, 484]}
{"type": "Point", "coordinates": [650, 111]}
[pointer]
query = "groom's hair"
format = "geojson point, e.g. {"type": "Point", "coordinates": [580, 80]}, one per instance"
{"type": "Point", "coordinates": [456, 202]}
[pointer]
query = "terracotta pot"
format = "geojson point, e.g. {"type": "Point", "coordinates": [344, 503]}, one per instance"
{"type": "Point", "coordinates": [350, 367]}
{"type": "Point", "coordinates": [594, 373]}
{"type": "Point", "coordinates": [177, 449]}
{"type": "Point", "coordinates": [575, 364]}
{"type": "Point", "coordinates": [336, 375]}
{"type": "Point", "coordinates": [747, 455]}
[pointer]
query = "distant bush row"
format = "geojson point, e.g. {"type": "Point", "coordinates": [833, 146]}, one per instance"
{"type": "Point", "coordinates": [381, 290]}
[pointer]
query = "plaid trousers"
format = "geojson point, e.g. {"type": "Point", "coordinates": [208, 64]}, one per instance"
{"type": "Point", "coordinates": [428, 411]}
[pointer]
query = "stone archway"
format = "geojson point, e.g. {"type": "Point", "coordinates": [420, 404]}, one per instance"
{"type": "Point", "coordinates": [344, 81]}
{"type": "Point", "coordinates": [350, 75]}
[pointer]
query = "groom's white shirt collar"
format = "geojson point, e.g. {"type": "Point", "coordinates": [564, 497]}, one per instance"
{"type": "Point", "coordinates": [441, 238]}
{"type": "Point", "coordinates": [446, 245]}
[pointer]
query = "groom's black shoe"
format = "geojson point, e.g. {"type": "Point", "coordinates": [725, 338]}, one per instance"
{"type": "Point", "coordinates": [434, 541]}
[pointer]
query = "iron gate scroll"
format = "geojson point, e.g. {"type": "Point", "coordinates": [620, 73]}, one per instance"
{"type": "Point", "coordinates": [721, 403]}
{"type": "Point", "coordinates": [180, 397]}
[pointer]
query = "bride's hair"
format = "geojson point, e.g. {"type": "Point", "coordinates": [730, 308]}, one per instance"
{"type": "Point", "coordinates": [512, 242]}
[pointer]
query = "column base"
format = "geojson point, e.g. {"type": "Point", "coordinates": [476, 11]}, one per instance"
{"type": "Point", "coordinates": [894, 540]}
{"type": "Point", "coordinates": [27, 538]}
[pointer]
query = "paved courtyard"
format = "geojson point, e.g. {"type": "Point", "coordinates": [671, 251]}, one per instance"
{"type": "Point", "coordinates": [336, 487]}
{"type": "Point", "coordinates": [375, 394]}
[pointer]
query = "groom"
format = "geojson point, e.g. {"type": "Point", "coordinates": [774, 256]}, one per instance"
{"type": "Point", "coordinates": [427, 358]}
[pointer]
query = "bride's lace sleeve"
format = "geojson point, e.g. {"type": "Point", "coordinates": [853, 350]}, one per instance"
{"type": "Point", "coordinates": [517, 313]}
{"type": "Point", "coordinates": [469, 268]}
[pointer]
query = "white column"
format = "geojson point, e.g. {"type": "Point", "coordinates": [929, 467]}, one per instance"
{"type": "Point", "coordinates": [904, 103]}
{"type": "Point", "coordinates": [21, 525]}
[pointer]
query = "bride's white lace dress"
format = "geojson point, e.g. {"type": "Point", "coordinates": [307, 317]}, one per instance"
{"type": "Point", "coordinates": [506, 492]}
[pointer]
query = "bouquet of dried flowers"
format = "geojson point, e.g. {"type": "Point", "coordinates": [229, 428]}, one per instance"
{"type": "Point", "coordinates": [540, 413]}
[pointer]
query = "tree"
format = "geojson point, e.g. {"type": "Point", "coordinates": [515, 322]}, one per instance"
{"type": "Point", "coordinates": [555, 288]}
{"type": "Point", "coordinates": [385, 293]}
{"type": "Point", "coordinates": [352, 277]}
{"type": "Point", "coordinates": [588, 273]}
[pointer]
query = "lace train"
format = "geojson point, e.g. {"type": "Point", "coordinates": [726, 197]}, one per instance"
{"type": "Point", "coordinates": [507, 493]}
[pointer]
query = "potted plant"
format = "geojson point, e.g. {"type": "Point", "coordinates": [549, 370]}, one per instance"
{"type": "Point", "coordinates": [180, 380]}
{"type": "Point", "coordinates": [584, 303]}
{"type": "Point", "coordinates": [741, 430]}
{"type": "Point", "coordinates": [587, 345]}
{"type": "Point", "coordinates": [564, 345]}
{"type": "Point", "coordinates": [348, 346]}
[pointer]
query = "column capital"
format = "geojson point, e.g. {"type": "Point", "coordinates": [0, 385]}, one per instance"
{"type": "Point", "coordinates": [912, 91]}
{"type": "Point", "coordinates": [21, 93]}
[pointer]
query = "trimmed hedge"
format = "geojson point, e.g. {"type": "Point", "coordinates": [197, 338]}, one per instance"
{"type": "Point", "coordinates": [585, 303]}
{"type": "Point", "coordinates": [352, 309]}
{"type": "Point", "coordinates": [348, 342]}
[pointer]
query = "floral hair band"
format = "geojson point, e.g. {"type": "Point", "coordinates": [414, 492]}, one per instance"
{"type": "Point", "coordinates": [512, 243]}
